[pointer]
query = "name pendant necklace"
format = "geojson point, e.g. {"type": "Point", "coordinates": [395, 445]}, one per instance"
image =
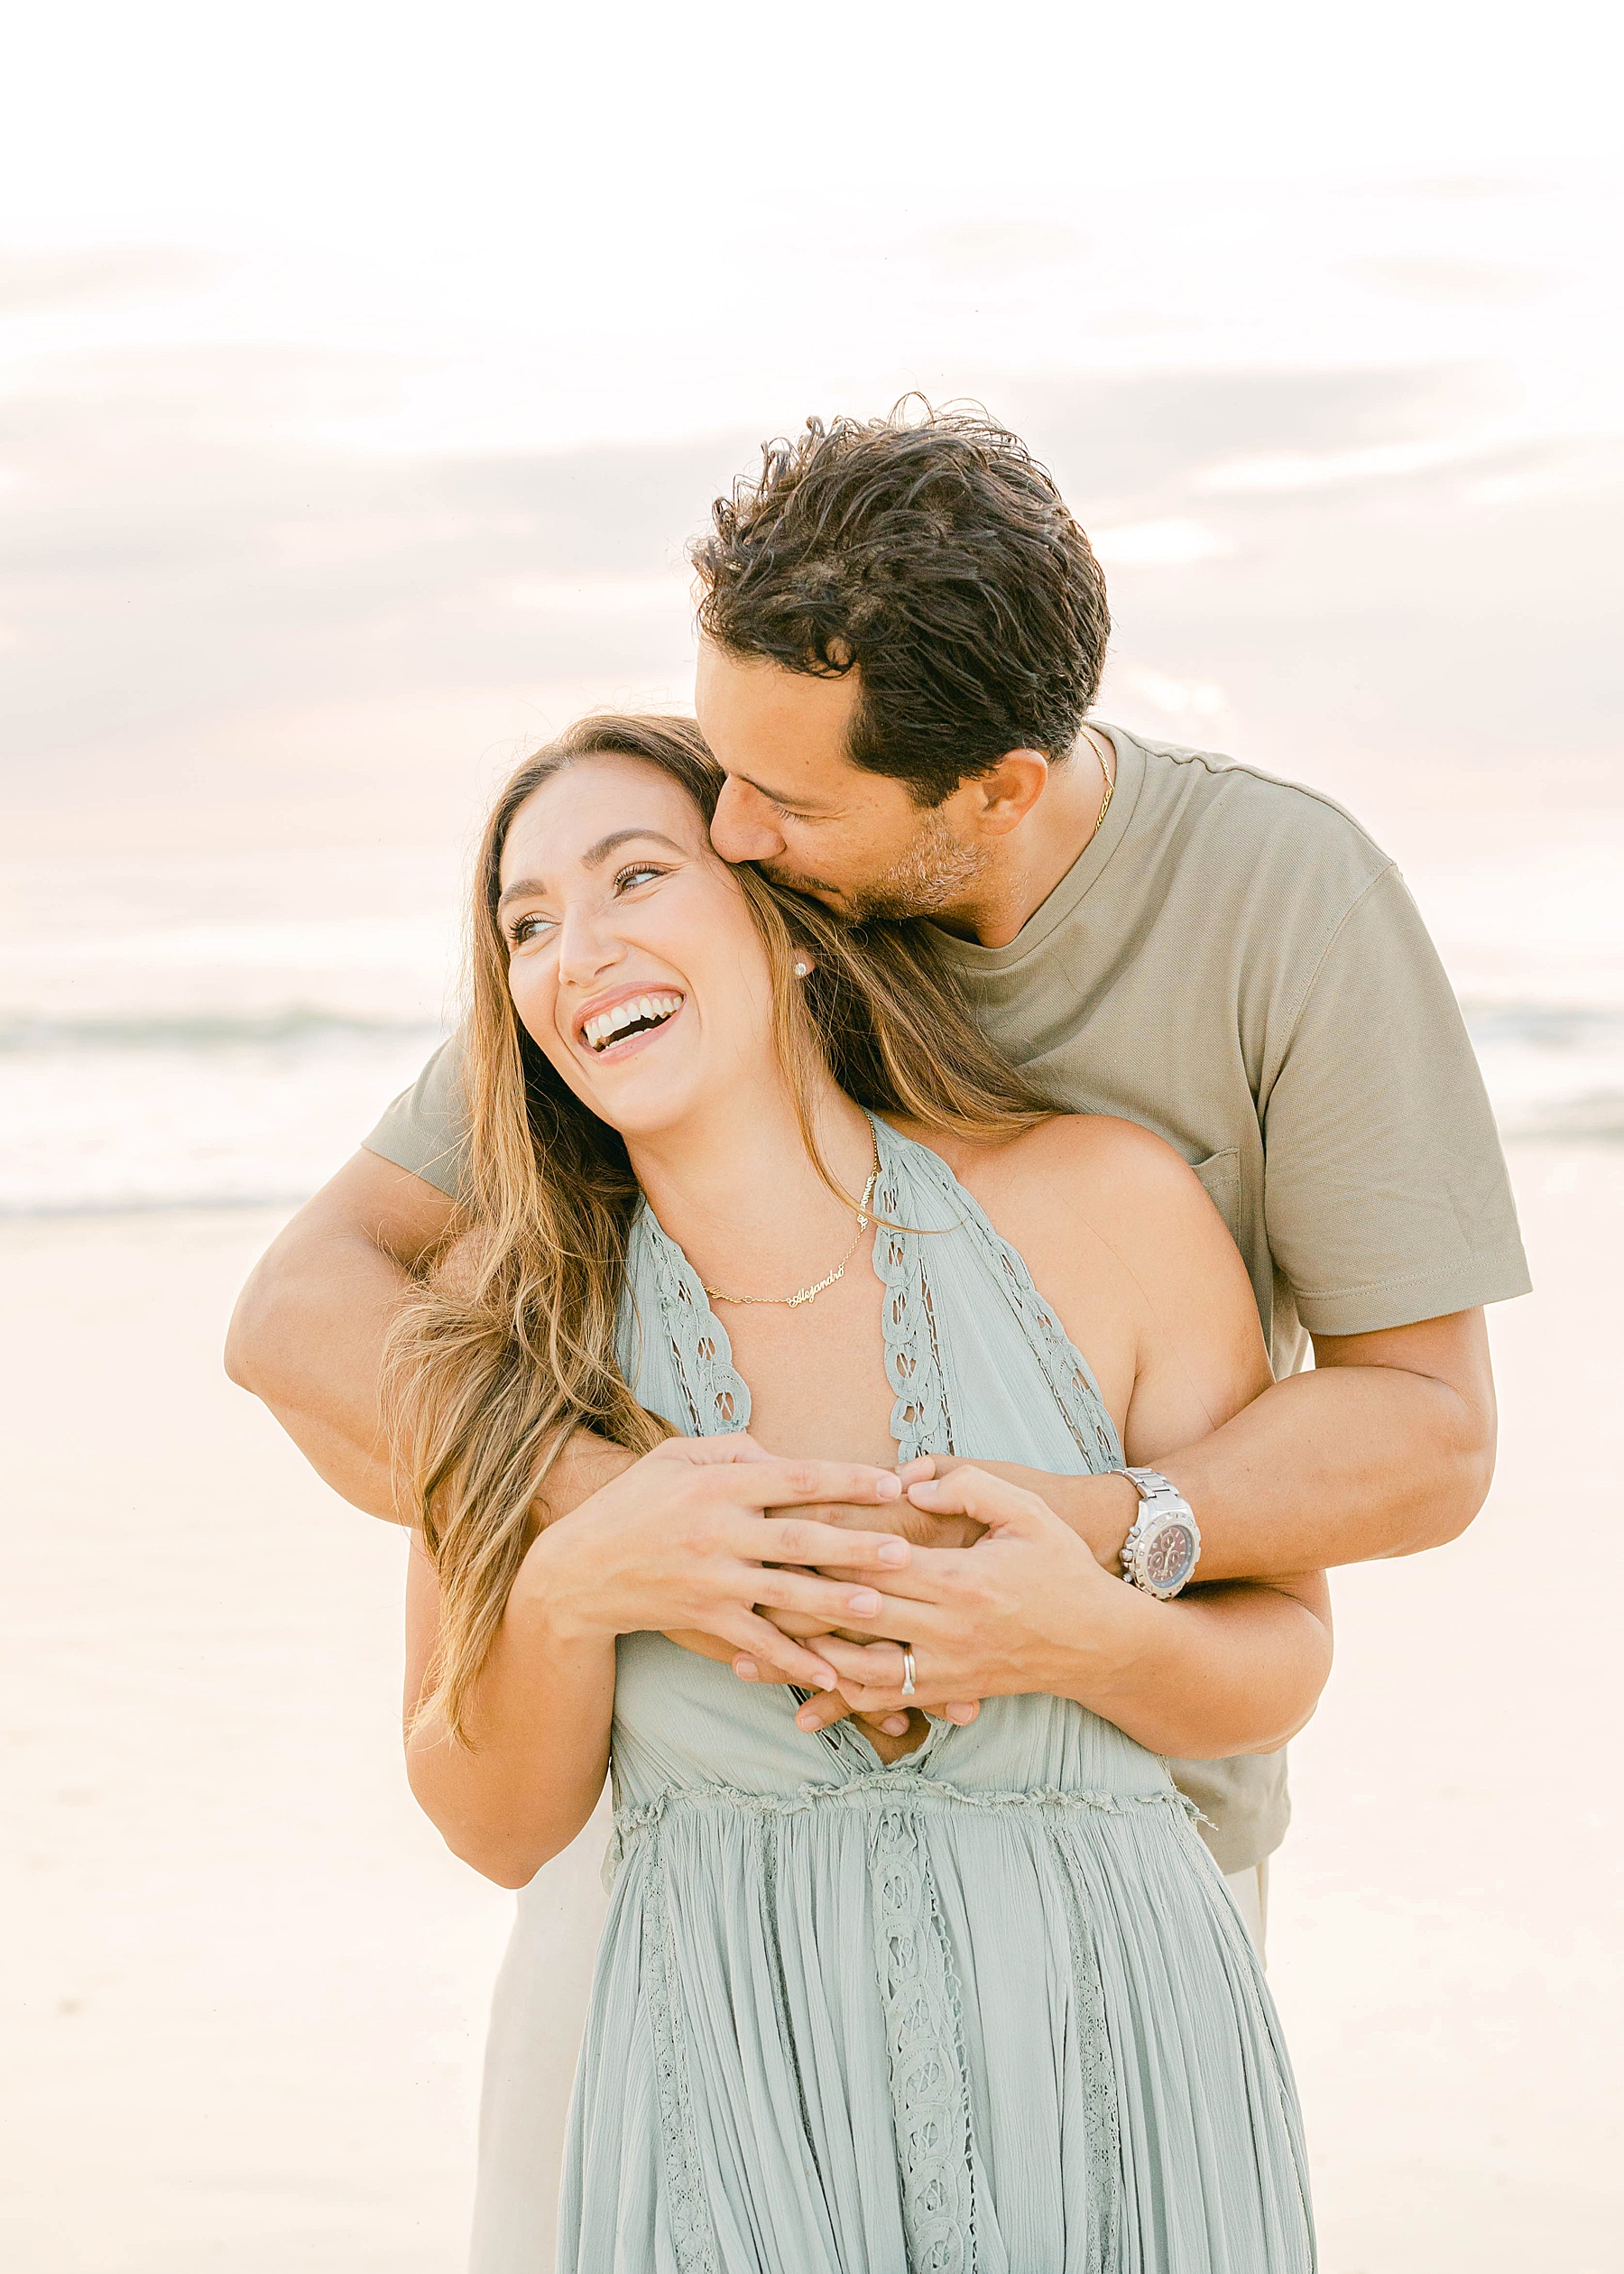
{"type": "Point", "coordinates": [809, 1294]}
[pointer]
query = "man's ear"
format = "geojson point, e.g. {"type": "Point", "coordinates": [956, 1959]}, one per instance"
{"type": "Point", "coordinates": [999, 800]}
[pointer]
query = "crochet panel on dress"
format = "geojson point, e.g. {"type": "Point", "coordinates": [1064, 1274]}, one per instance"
{"type": "Point", "coordinates": [1064, 1368]}
{"type": "Point", "coordinates": [924, 2027]}
{"type": "Point", "coordinates": [693, 2234]}
{"type": "Point", "coordinates": [715, 1396]}
{"type": "Point", "coordinates": [1107, 2185]}
{"type": "Point", "coordinates": [920, 1421]}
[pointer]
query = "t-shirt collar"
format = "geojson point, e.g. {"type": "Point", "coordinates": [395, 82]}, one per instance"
{"type": "Point", "coordinates": [1079, 879]}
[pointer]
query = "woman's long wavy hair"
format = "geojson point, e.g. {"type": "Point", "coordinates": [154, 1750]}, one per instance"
{"type": "Point", "coordinates": [506, 1345]}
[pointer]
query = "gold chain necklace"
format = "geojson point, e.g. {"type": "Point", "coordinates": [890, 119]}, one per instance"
{"type": "Point", "coordinates": [1110, 786]}
{"type": "Point", "coordinates": [809, 1294]}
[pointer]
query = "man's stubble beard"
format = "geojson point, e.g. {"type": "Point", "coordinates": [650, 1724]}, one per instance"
{"type": "Point", "coordinates": [934, 873]}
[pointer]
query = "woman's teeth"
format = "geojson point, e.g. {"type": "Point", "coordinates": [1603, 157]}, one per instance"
{"type": "Point", "coordinates": [631, 1017]}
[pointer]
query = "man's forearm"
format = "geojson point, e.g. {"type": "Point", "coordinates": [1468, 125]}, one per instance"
{"type": "Point", "coordinates": [310, 1347]}
{"type": "Point", "coordinates": [310, 1328]}
{"type": "Point", "coordinates": [1226, 1670]}
{"type": "Point", "coordinates": [1345, 1464]}
{"type": "Point", "coordinates": [1362, 1458]}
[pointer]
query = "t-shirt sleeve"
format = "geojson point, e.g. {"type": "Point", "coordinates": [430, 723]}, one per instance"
{"type": "Point", "coordinates": [1386, 1192]}
{"type": "Point", "coordinates": [424, 1128]}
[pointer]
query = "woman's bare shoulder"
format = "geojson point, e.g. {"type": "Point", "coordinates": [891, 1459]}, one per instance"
{"type": "Point", "coordinates": [1095, 1203]}
{"type": "Point", "coordinates": [1099, 1154]}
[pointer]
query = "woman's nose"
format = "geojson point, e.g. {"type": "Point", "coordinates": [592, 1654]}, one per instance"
{"type": "Point", "coordinates": [744, 826]}
{"type": "Point", "coordinates": [585, 946]}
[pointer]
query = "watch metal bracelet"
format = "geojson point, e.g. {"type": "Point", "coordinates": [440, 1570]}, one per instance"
{"type": "Point", "coordinates": [1163, 1545]}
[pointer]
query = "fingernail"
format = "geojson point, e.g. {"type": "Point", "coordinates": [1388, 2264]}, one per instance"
{"type": "Point", "coordinates": [746, 1669]}
{"type": "Point", "coordinates": [864, 1605]}
{"type": "Point", "coordinates": [805, 1720]}
{"type": "Point", "coordinates": [827, 1680]}
{"type": "Point", "coordinates": [893, 1551]}
{"type": "Point", "coordinates": [889, 1487]}
{"type": "Point", "coordinates": [896, 1727]}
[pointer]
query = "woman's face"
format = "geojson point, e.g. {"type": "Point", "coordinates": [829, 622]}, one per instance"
{"type": "Point", "coordinates": [633, 960]}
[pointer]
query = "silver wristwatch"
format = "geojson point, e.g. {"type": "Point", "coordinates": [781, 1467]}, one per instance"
{"type": "Point", "coordinates": [1161, 1551]}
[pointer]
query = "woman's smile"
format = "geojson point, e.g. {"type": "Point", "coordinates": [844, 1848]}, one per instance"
{"type": "Point", "coordinates": [613, 1026]}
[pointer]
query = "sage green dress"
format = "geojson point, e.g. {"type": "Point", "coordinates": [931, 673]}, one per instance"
{"type": "Point", "coordinates": [991, 2010]}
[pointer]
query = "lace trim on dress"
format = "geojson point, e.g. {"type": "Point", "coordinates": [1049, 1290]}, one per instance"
{"type": "Point", "coordinates": [1064, 1368]}
{"type": "Point", "coordinates": [772, 1930]}
{"type": "Point", "coordinates": [924, 2022]}
{"type": "Point", "coordinates": [920, 1421]}
{"type": "Point", "coordinates": [692, 2236]}
{"type": "Point", "coordinates": [1106, 2181]}
{"type": "Point", "coordinates": [892, 1784]}
{"type": "Point", "coordinates": [716, 1398]}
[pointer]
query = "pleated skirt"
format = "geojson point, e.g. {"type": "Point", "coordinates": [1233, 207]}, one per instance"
{"type": "Point", "coordinates": [942, 2033]}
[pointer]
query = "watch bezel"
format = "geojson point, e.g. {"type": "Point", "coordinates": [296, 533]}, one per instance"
{"type": "Point", "coordinates": [1148, 1532]}
{"type": "Point", "coordinates": [1160, 1503]}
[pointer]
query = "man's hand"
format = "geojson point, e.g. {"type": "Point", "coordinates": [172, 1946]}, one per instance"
{"type": "Point", "coordinates": [1028, 1608]}
{"type": "Point", "coordinates": [922, 1527]}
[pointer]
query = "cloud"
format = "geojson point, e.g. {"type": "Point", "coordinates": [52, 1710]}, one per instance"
{"type": "Point", "coordinates": [178, 546]}
{"type": "Point", "coordinates": [1449, 281]}
{"type": "Point", "coordinates": [979, 251]}
{"type": "Point", "coordinates": [1160, 544]}
{"type": "Point", "coordinates": [203, 583]}
{"type": "Point", "coordinates": [33, 282]}
{"type": "Point", "coordinates": [1144, 438]}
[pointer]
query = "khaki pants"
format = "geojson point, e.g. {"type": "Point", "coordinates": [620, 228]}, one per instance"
{"type": "Point", "coordinates": [1250, 1890]}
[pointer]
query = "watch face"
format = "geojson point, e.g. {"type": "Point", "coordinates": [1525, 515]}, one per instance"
{"type": "Point", "coordinates": [1169, 1554]}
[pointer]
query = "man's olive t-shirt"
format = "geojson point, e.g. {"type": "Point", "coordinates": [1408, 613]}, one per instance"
{"type": "Point", "coordinates": [1234, 964]}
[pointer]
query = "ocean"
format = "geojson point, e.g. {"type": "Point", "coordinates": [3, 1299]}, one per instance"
{"type": "Point", "coordinates": [224, 1030]}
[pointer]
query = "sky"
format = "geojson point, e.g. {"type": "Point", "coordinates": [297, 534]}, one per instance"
{"type": "Point", "coordinates": [366, 369]}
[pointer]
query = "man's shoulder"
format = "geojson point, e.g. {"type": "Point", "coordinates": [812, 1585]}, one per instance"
{"type": "Point", "coordinates": [1210, 805]}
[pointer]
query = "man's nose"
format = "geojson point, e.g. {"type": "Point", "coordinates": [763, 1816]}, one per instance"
{"type": "Point", "coordinates": [744, 826]}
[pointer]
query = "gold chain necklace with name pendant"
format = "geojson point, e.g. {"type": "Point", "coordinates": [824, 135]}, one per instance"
{"type": "Point", "coordinates": [809, 1294]}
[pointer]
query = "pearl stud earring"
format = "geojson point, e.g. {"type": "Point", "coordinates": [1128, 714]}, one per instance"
{"type": "Point", "coordinates": [801, 969]}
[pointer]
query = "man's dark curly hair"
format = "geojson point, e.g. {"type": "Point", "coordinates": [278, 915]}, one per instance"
{"type": "Point", "coordinates": [934, 557]}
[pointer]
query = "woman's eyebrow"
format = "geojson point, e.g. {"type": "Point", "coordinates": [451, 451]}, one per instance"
{"type": "Point", "coordinates": [617, 838]}
{"type": "Point", "coordinates": [527, 887]}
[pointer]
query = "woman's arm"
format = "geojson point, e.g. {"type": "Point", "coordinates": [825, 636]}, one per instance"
{"type": "Point", "coordinates": [677, 1540]}
{"type": "Point", "coordinates": [487, 1799]}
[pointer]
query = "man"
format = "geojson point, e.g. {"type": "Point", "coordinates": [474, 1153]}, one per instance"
{"type": "Point", "coordinates": [902, 629]}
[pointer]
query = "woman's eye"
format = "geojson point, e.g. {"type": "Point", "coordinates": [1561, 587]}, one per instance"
{"type": "Point", "coordinates": [528, 927]}
{"type": "Point", "coordinates": [640, 873]}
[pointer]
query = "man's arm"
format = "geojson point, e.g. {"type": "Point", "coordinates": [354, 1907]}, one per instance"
{"type": "Point", "coordinates": [1224, 1670]}
{"type": "Point", "coordinates": [307, 1336]}
{"type": "Point", "coordinates": [1385, 1448]}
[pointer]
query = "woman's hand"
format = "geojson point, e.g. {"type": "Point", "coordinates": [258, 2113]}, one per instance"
{"type": "Point", "coordinates": [921, 1529]}
{"type": "Point", "coordinates": [682, 1540]}
{"type": "Point", "coordinates": [1028, 1608]}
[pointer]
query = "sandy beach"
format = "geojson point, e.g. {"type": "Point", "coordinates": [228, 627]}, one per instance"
{"type": "Point", "coordinates": [246, 1986]}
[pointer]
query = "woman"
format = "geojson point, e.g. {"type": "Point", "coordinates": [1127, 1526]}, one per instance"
{"type": "Point", "coordinates": [955, 1992]}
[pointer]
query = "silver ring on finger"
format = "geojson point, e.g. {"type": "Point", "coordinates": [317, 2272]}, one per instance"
{"type": "Point", "coordinates": [909, 1669]}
